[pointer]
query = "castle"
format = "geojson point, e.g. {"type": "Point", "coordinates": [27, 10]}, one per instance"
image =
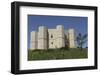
{"type": "Point", "coordinates": [46, 38]}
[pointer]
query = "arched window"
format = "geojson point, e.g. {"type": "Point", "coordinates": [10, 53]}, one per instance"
{"type": "Point", "coordinates": [51, 36]}
{"type": "Point", "coordinates": [51, 42]}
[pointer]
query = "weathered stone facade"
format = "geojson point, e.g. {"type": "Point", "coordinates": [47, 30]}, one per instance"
{"type": "Point", "coordinates": [52, 38]}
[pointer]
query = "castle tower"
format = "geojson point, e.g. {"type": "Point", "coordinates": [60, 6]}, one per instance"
{"type": "Point", "coordinates": [71, 36]}
{"type": "Point", "coordinates": [33, 40]}
{"type": "Point", "coordinates": [52, 37]}
{"type": "Point", "coordinates": [42, 37]}
{"type": "Point", "coordinates": [60, 36]}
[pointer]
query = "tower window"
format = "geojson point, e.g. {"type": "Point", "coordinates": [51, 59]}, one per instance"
{"type": "Point", "coordinates": [51, 42]}
{"type": "Point", "coordinates": [51, 36]}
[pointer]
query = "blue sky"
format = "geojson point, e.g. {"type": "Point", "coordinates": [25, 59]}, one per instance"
{"type": "Point", "coordinates": [80, 24]}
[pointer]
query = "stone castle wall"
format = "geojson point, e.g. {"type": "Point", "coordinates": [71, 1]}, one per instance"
{"type": "Point", "coordinates": [42, 37]}
{"type": "Point", "coordinates": [71, 37]}
{"type": "Point", "coordinates": [51, 38]}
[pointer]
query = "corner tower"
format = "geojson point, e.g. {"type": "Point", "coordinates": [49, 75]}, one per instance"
{"type": "Point", "coordinates": [33, 40]}
{"type": "Point", "coordinates": [42, 37]}
{"type": "Point", "coordinates": [60, 36]}
{"type": "Point", "coordinates": [71, 37]}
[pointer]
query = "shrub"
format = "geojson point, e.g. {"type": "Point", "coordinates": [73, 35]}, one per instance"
{"type": "Point", "coordinates": [64, 48]}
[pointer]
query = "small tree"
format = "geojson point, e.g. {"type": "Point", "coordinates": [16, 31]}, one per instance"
{"type": "Point", "coordinates": [81, 40]}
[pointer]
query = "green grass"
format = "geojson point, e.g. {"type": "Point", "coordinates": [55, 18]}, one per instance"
{"type": "Point", "coordinates": [52, 54]}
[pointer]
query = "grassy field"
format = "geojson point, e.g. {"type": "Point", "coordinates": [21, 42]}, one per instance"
{"type": "Point", "coordinates": [52, 54]}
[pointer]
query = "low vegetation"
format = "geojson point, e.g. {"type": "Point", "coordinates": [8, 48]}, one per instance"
{"type": "Point", "coordinates": [62, 53]}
